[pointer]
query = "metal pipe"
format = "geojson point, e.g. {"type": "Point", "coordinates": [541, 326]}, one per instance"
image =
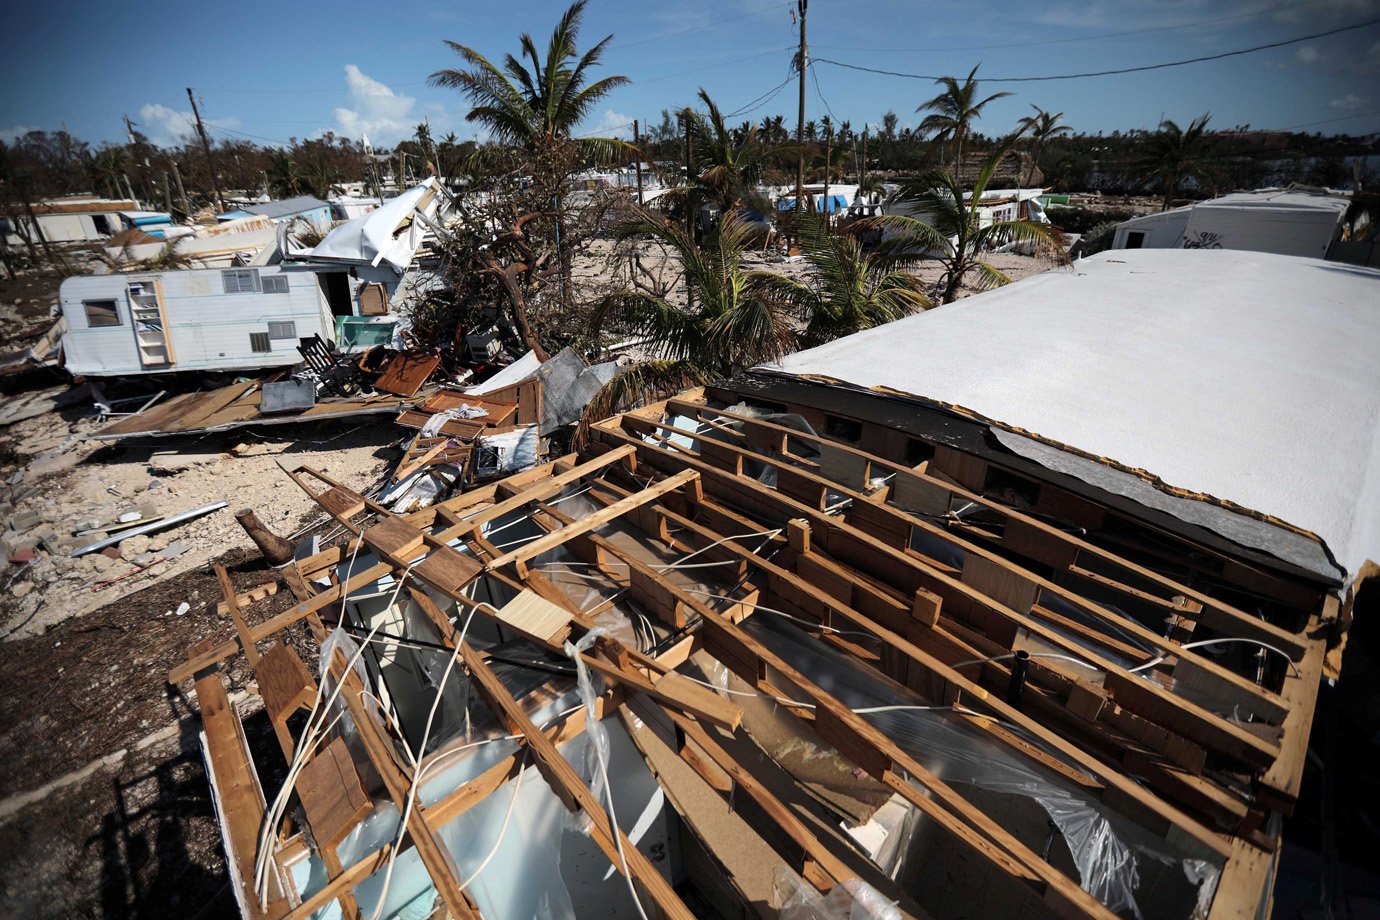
{"type": "Point", "coordinates": [1019, 667]}
{"type": "Point", "coordinates": [150, 527]}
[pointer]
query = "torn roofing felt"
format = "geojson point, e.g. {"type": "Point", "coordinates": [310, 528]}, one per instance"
{"type": "Point", "coordinates": [1244, 378]}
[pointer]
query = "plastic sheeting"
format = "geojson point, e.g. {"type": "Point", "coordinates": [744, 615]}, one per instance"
{"type": "Point", "coordinates": [1108, 849]}
{"type": "Point", "coordinates": [852, 900]}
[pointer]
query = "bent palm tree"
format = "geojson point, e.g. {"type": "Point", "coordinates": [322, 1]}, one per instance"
{"type": "Point", "coordinates": [1042, 126]}
{"type": "Point", "coordinates": [850, 290]}
{"type": "Point", "coordinates": [537, 105]}
{"type": "Point", "coordinates": [1174, 154]}
{"type": "Point", "coordinates": [950, 229]}
{"type": "Point", "coordinates": [954, 110]}
{"type": "Point", "coordinates": [736, 318]}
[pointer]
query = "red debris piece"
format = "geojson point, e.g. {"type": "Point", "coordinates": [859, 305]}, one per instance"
{"type": "Point", "coordinates": [19, 557]}
{"type": "Point", "coordinates": [111, 552]}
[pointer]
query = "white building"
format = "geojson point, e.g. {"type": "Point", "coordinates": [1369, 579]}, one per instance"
{"type": "Point", "coordinates": [1290, 222]}
{"type": "Point", "coordinates": [197, 320]}
{"type": "Point", "coordinates": [71, 220]}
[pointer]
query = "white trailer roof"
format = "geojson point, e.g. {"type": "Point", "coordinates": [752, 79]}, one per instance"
{"type": "Point", "coordinates": [1247, 378]}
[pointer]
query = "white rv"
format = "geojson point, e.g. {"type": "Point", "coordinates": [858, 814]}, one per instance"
{"type": "Point", "coordinates": [1289, 222]}
{"type": "Point", "coordinates": [199, 320]}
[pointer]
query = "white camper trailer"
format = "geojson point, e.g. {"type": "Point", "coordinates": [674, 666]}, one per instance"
{"type": "Point", "coordinates": [199, 320]}
{"type": "Point", "coordinates": [1289, 222]}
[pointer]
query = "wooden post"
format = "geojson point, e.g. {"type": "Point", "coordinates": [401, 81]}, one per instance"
{"type": "Point", "coordinates": [637, 143]}
{"type": "Point", "coordinates": [275, 549]}
{"type": "Point", "coordinates": [801, 7]}
{"type": "Point", "coordinates": [181, 191]}
{"type": "Point", "coordinates": [206, 147]}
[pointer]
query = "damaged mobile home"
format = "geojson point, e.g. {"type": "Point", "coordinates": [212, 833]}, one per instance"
{"type": "Point", "coordinates": [252, 315]}
{"type": "Point", "coordinates": [1016, 607]}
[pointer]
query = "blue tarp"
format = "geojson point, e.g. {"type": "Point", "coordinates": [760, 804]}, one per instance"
{"type": "Point", "coordinates": [836, 203]}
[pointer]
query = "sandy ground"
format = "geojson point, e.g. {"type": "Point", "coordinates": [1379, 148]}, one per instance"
{"type": "Point", "coordinates": [69, 483]}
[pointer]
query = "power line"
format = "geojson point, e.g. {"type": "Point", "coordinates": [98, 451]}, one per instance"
{"type": "Point", "coordinates": [1326, 121]}
{"type": "Point", "coordinates": [1082, 38]}
{"type": "Point", "coordinates": [815, 76]}
{"type": "Point", "coordinates": [681, 73]}
{"type": "Point", "coordinates": [713, 25]}
{"type": "Point", "coordinates": [760, 100]}
{"type": "Point", "coordinates": [1108, 73]}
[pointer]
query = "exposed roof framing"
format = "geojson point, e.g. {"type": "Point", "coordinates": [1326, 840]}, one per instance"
{"type": "Point", "coordinates": [1025, 627]}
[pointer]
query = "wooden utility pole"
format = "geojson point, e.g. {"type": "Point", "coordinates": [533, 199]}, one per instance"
{"type": "Point", "coordinates": [801, 61]}
{"type": "Point", "coordinates": [181, 192]}
{"type": "Point", "coordinates": [637, 155]}
{"type": "Point", "coordinates": [167, 194]}
{"type": "Point", "coordinates": [828, 151]}
{"type": "Point", "coordinates": [689, 153]}
{"type": "Point", "coordinates": [862, 164]}
{"type": "Point", "coordinates": [206, 148]}
{"type": "Point", "coordinates": [129, 188]}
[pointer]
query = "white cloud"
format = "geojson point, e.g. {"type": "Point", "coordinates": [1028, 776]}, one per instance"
{"type": "Point", "coordinates": [10, 135]}
{"type": "Point", "coordinates": [612, 124]}
{"type": "Point", "coordinates": [165, 126]}
{"type": "Point", "coordinates": [1349, 101]}
{"type": "Point", "coordinates": [1306, 55]}
{"type": "Point", "coordinates": [375, 110]}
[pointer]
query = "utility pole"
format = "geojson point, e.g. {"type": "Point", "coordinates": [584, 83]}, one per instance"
{"type": "Point", "coordinates": [206, 147]}
{"type": "Point", "coordinates": [828, 150]}
{"type": "Point", "coordinates": [689, 204]}
{"type": "Point", "coordinates": [181, 192]}
{"type": "Point", "coordinates": [637, 154]}
{"type": "Point", "coordinates": [801, 61]}
{"type": "Point", "coordinates": [130, 189]}
{"type": "Point", "coordinates": [167, 194]}
{"type": "Point", "coordinates": [862, 164]}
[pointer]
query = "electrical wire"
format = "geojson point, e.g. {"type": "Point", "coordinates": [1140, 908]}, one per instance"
{"type": "Point", "coordinates": [1123, 70]}
{"type": "Point", "coordinates": [1191, 645]}
{"type": "Point", "coordinates": [1080, 38]}
{"type": "Point", "coordinates": [1080, 663]}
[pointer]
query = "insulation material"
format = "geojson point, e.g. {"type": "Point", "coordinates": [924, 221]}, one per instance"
{"type": "Point", "coordinates": [1247, 377]}
{"type": "Point", "coordinates": [853, 900]}
{"type": "Point", "coordinates": [1109, 850]}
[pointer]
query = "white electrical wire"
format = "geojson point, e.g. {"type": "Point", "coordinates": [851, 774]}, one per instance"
{"type": "Point", "coordinates": [810, 623]}
{"type": "Point", "coordinates": [1156, 660]}
{"type": "Point", "coordinates": [1080, 663]}
{"type": "Point", "coordinates": [416, 774]}
{"type": "Point", "coordinates": [311, 733]}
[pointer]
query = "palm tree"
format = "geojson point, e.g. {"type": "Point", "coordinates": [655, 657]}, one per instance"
{"type": "Point", "coordinates": [536, 105]}
{"type": "Point", "coordinates": [1042, 126]}
{"type": "Point", "coordinates": [951, 229]}
{"type": "Point", "coordinates": [727, 169]}
{"type": "Point", "coordinates": [1173, 154]}
{"type": "Point", "coordinates": [810, 130]}
{"type": "Point", "coordinates": [954, 110]}
{"type": "Point", "coordinates": [850, 290]}
{"type": "Point", "coordinates": [736, 318]}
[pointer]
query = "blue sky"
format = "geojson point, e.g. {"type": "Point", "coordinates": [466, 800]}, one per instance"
{"type": "Point", "coordinates": [271, 71]}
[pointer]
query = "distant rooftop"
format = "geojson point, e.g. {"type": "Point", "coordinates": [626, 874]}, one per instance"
{"type": "Point", "coordinates": [284, 208]}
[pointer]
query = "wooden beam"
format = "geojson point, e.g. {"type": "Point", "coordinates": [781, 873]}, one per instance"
{"type": "Point", "coordinates": [572, 791]}
{"type": "Point", "coordinates": [1131, 796]}
{"type": "Point", "coordinates": [906, 573]}
{"type": "Point", "coordinates": [591, 521]}
{"type": "Point", "coordinates": [1216, 614]}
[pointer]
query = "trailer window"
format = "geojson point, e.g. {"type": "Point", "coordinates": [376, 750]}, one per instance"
{"type": "Point", "coordinates": [282, 330]}
{"type": "Point", "coordinates": [259, 343]}
{"type": "Point", "coordinates": [275, 284]}
{"type": "Point", "coordinates": [1135, 239]}
{"type": "Point", "coordinates": [101, 313]}
{"type": "Point", "coordinates": [240, 280]}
